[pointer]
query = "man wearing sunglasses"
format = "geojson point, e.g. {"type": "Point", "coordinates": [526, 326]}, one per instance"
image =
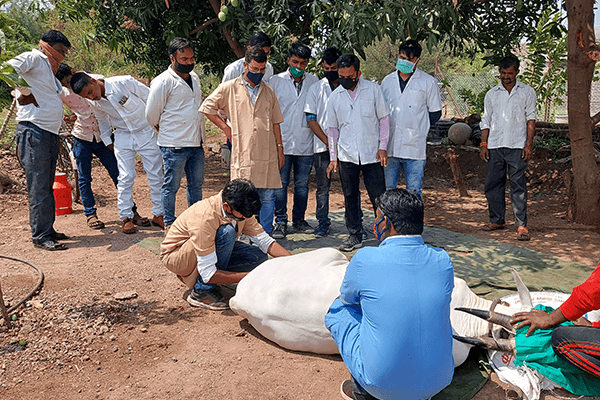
{"type": "Point", "coordinates": [201, 246]}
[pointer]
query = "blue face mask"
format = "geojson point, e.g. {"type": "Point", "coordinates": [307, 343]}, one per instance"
{"type": "Point", "coordinates": [376, 229]}
{"type": "Point", "coordinates": [255, 77]}
{"type": "Point", "coordinates": [405, 66]}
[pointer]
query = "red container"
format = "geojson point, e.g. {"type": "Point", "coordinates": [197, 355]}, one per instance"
{"type": "Point", "coordinates": [63, 202]}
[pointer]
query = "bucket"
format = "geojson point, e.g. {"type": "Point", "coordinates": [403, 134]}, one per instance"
{"type": "Point", "coordinates": [63, 201]}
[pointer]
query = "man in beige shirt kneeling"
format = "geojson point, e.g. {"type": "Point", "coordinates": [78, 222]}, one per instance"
{"type": "Point", "coordinates": [201, 246]}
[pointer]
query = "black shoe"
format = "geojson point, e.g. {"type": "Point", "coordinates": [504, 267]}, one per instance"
{"type": "Point", "coordinates": [59, 236]}
{"type": "Point", "coordinates": [303, 227]}
{"type": "Point", "coordinates": [322, 230]}
{"type": "Point", "coordinates": [50, 245]}
{"type": "Point", "coordinates": [353, 242]}
{"type": "Point", "coordinates": [279, 232]}
{"type": "Point", "coordinates": [209, 299]}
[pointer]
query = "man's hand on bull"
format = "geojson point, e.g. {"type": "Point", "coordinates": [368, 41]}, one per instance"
{"type": "Point", "coordinates": [537, 319]}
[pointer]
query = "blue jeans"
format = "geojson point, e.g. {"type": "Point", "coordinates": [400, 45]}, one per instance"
{"type": "Point", "coordinates": [83, 152]}
{"type": "Point", "coordinates": [232, 255]}
{"type": "Point", "coordinates": [176, 161]}
{"type": "Point", "coordinates": [321, 161]}
{"type": "Point", "coordinates": [267, 209]}
{"type": "Point", "coordinates": [413, 173]}
{"type": "Point", "coordinates": [301, 166]}
{"type": "Point", "coordinates": [501, 161]}
{"type": "Point", "coordinates": [38, 150]}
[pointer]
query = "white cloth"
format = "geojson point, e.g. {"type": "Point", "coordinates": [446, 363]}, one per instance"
{"type": "Point", "coordinates": [316, 103]}
{"type": "Point", "coordinates": [33, 66]}
{"type": "Point", "coordinates": [174, 107]}
{"type": "Point", "coordinates": [297, 136]}
{"type": "Point", "coordinates": [123, 109]}
{"type": "Point", "coordinates": [409, 113]}
{"type": "Point", "coordinates": [152, 161]}
{"type": "Point", "coordinates": [506, 115]}
{"type": "Point", "coordinates": [357, 121]}
{"type": "Point", "coordinates": [236, 69]}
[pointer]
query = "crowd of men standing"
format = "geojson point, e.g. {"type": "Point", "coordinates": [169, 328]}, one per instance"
{"type": "Point", "coordinates": [277, 126]}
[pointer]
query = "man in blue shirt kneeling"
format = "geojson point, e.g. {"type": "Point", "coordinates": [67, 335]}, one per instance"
{"type": "Point", "coordinates": [392, 319]}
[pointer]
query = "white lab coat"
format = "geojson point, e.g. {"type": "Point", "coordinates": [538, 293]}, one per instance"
{"type": "Point", "coordinates": [297, 136]}
{"type": "Point", "coordinates": [357, 121]}
{"type": "Point", "coordinates": [316, 103]}
{"type": "Point", "coordinates": [174, 107]}
{"type": "Point", "coordinates": [409, 113]}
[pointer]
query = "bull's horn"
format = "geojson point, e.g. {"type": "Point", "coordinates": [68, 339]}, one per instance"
{"type": "Point", "coordinates": [505, 345]}
{"type": "Point", "coordinates": [494, 317]}
{"type": "Point", "coordinates": [524, 295]}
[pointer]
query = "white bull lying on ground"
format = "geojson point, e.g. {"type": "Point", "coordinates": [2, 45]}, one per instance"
{"type": "Point", "coordinates": [286, 299]}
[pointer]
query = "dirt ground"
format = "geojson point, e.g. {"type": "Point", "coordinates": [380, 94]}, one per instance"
{"type": "Point", "coordinates": [75, 340]}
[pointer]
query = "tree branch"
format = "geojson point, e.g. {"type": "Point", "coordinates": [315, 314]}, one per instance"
{"type": "Point", "coordinates": [236, 47]}
{"type": "Point", "coordinates": [203, 26]}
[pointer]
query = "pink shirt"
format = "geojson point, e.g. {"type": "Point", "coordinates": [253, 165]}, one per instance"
{"type": "Point", "coordinates": [86, 125]}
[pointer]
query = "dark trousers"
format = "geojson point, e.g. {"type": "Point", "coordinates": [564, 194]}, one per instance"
{"type": "Point", "coordinates": [321, 162]}
{"type": "Point", "coordinates": [84, 152]}
{"type": "Point", "coordinates": [374, 180]}
{"type": "Point", "coordinates": [301, 166]}
{"type": "Point", "coordinates": [360, 393]}
{"type": "Point", "coordinates": [578, 345]}
{"type": "Point", "coordinates": [501, 162]}
{"type": "Point", "coordinates": [38, 150]}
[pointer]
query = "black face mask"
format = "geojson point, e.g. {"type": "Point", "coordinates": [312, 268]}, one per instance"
{"type": "Point", "coordinates": [331, 76]}
{"type": "Point", "coordinates": [184, 68]}
{"type": "Point", "coordinates": [348, 83]}
{"type": "Point", "coordinates": [255, 77]}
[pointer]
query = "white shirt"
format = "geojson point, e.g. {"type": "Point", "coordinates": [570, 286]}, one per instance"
{"type": "Point", "coordinates": [506, 115]}
{"type": "Point", "coordinates": [236, 69]}
{"type": "Point", "coordinates": [123, 109]}
{"type": "Point", "coordinates": [409, 113]}
{"type": "Point", "coordinates": [297, 136]}
{"type": "Point", "coordinates": [174, 107]}
{"type": "Point", "coordinates": [33, 66]}
{"type": "Point", "coordinates": [357, 121]}
{"type": "Point", "coordinates": [316, 103]}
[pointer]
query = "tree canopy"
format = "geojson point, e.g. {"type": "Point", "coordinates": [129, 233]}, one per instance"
{"type": "Point", "coordinates": [142, 29]}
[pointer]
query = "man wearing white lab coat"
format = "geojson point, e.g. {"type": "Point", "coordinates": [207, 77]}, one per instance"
{"type": "Point", "coordinates": [291, 87]}
{"type": "Point", "coordinates": [316, 117]}
{"type": "Point", "coordinates": [358, 129]}
{"type": "Point", "coordinates": [120, 103]}
{"type": "Point", "coordinates": [413, 98]}
{"type": "Point", "coordinates": [173, 109]}
{"type": "Point", "coordinates": [236, 68]}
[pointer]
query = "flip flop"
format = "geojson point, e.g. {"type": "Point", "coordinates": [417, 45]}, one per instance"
{"type": "Point", "coordinates": [523, 234]}
{"type": "Point", "coordinates": [94, 223]}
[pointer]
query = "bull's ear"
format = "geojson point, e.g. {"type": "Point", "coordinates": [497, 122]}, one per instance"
{"type": "Point", "coordinates": [491, 316]}
{"type": "Point", "coordinates": [505, 345]}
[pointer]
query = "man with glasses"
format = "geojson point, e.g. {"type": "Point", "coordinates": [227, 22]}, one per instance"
{"type": "Point", "coordinates": [201, 246]}
{"type": "Point", "coordinates": [358, 127]}
{"type": "Point", "coordinates": [253, 109]}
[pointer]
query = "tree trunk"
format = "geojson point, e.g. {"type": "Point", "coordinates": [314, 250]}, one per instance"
{"type": "Point", "coordinates": [580, 69]}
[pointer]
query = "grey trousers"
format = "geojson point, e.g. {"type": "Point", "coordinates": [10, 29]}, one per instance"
{"type": "Point", "coordinates": [501, 162]}
{"type": "Point", "coordinates": [38, 150]}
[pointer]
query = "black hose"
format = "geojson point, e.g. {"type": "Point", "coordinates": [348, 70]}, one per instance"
{"type": "Point", "coordinates": [37, 286]}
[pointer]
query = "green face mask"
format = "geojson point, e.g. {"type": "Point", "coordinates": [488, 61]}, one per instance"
{"type": "Point", "coordinates": [296, 72]}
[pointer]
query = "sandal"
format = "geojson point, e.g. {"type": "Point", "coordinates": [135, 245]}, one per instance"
{"type": "Point", "coordinates": [157, 220]}
{"type": "Point", "coordinates": [59, 236]}
{"type": "Point", "coordinates": [127, 226]}
{"type": "Point", "coordinates": [492, 227]}
{"type": "Point", "coordinates": [94, 223]}
{"type": "Point", "coordinates": [50, 245]}
{"type": "Point", "coordinates": [139, 220]}
{"type": "Point", "coordinates": [523, 234]}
